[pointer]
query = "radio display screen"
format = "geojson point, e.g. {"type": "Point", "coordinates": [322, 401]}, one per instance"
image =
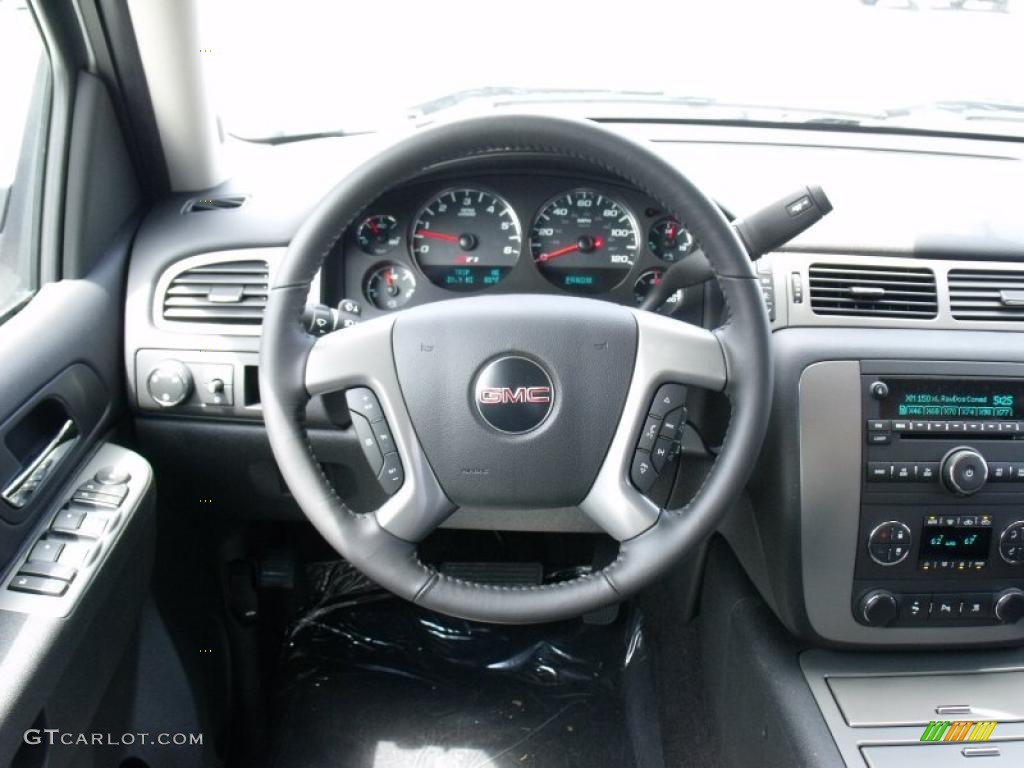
{"type": "Point", "coordinates": [946, 542]}
{"type": "Point", "coordinates": [951, 400]}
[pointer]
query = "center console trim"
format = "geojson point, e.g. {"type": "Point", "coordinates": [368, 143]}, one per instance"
{"type": "Point", "coordinates": [830, 491]}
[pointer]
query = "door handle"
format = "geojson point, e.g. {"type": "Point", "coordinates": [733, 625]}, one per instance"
{"type": "Point", "coordinates": [20, 489]}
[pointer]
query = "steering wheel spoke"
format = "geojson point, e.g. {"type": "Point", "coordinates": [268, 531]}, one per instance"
{"type": "Point", "coordinates": [361, 357]}
{"type": "Point", "coordinates": [668, 352]}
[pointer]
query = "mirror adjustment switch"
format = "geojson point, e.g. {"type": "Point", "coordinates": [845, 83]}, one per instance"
{"type": "Point", "coordinates": [38, 585]}
{"type": "Point", "coordinates": [68, 520]}
{"type": "Point", "coordinates": [49, 570]}
{"type": "Point", "coordinates": [112, 476]}
{"type": "Point", "coordinates": [46, 551]}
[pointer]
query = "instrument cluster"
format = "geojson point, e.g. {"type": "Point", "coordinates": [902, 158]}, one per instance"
{"type": "Point", "coordinates": [509, 233]}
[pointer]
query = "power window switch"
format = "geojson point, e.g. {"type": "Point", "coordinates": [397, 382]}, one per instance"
{"type": "Point", "coordinates": [49, 570]}
{"type": "Point", "coordinates": [94, 499]}
{"type": "Point", "coordinates": [38, 585]}
{"type": "Point", "coordinates": [94, 525]}
{"type": "Point", "coordinates": [68, 520]}
{"type": "Point", "coordinates": [78, 553]}
{"type": "Point", "coordinates": [46, 550]}
{"type": "Point", "coordinates": [117, 490]}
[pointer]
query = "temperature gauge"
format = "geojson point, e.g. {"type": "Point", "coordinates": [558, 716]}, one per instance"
{"type": "Point", "coordinates": [647, 282]}
{"type": "Point", "coordinates": [390, 286]}
{"type": "Point", "coordinates": [378, 234]}
{"type": "Point", "coordinates": [669, 240]}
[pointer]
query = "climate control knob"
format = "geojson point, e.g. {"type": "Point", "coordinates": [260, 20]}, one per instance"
{"type": "Point", "coordinates": [169, 383]}
{"type": "Point", "coordinates": [878, 608]}
{"type": "Point", "coordinates": [1009, 605]}
{"type": "Point", "coordinates": [964, 471]}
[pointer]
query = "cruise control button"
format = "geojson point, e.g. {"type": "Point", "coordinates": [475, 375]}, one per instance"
{"type": "Point", "coordinates": [362, 400]}
{"type": "Point", "coordinates": [368, 442]}
{"type": "Point", "coordinates": [649, 433]}
{"type": "Point", "coordinates": [642, 471]}
{"type": "Point", "coordinates": [38, 585]}
{"type": "Point", "coordinates": [668, 398]}
{"type": "Point", "coordinates": [672, 426]}
{"type": "Point", "coordinates": [49, 570]}
{"type": "Point", "coordinates": [391, 474]}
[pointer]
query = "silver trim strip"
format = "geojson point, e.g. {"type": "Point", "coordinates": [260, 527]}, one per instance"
{"type": "Point", "coordinates": [16, 493]}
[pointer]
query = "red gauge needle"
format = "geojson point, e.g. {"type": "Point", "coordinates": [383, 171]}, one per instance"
{"type": "Point", "coordinates": [559, 252]}
{"type": "Point", "coordinates": [437, 235]}
{"type": "Point", "coordinates": [671, 232]}
{"type": "Point", "coordinates": [389, 278]}
{"type": "Point", "coordinates": [373, 227]}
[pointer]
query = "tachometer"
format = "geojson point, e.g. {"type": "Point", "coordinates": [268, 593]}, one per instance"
{"type": "Point", "coordinates": [466, 239]}
{"type": "Point", "coordinates": [584, 241]}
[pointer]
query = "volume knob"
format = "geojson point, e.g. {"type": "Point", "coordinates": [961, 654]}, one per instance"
{"type": "Point", "coordinates": [964, 471]}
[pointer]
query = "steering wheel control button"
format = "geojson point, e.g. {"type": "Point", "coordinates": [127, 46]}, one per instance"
{"type": "Point", "coordinates": [46, 551]}
{"type": "Point", "coordinates": [368, 442]}
{"type": "Point", "coordinates": [112, 476]}
{"type": "Point", "coordinates": [391, 474]}
{"type": "Point", "coordinates": [513, 394]}
{"type": "Point", "coordinates": [385, 441]}
{"type": "Point", "coordinates": [362, 401]}
{"type": "Point", "coordinates": [672, 426]}
{"type": "Point", "coordinates": [664, 454]}
{"type": "Point", "coordinates": [889, 543]}
{"type": "Point", "coordinates": [38, 585]}
{"type": "Point", "coordinates": [642, 472]}
{"type": "Point", "coordinates": [1011, 543]}
{"type": "Point", "coordinates": [650, 432]}
{"type": "Point", "coordinates": [964, 471]}
{"type": "Point", "coordinates": [68, 520]}
{"type": "Point", "coordinates": [668, 398]}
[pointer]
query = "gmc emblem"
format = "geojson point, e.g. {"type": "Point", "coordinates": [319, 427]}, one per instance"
{"type": "Point", "coordinates": [513, 394]}
{"type": "Point", "coordinates": [495, 395]}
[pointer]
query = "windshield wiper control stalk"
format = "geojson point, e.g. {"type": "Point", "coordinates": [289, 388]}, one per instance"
{"type": "Point", "coordinates": [761, 232]}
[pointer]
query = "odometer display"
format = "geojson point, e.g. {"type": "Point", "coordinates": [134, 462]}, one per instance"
{"type": "Point", "coordinates": [584, 241]}
{"type": "Point", "coordinates": [466, 239]}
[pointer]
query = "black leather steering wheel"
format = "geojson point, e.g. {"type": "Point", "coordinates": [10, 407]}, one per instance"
{"type": "Point", "coordinates": [595, 367]}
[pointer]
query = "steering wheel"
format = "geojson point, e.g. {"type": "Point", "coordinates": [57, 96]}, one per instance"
{"type": "Point", "coordinates": [514, 401]}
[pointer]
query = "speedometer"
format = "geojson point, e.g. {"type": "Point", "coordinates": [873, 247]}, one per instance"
{"type": "Point", "coordinates": [584, 241]}
{"type": "Point", "coordinates": [465, 239]}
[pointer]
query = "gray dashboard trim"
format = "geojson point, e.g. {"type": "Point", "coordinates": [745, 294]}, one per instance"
{"type": "Point", "coordinates": [830, 467]}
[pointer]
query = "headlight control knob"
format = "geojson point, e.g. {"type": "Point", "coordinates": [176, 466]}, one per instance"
{"type": "Point", "coordinates": [169, 383]}
{"type": "Point", "coordinates": [964, 471]}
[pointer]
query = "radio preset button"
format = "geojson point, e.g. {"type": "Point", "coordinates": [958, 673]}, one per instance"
{"type": "Point", "coordinates": [901, 426]}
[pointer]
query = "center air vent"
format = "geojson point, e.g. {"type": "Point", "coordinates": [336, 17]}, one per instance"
{"type": "Point", "coordinates": [872, 291]}
{"type": "Point", "coordinates": [233, 292]}
{"type": "Point", "coordinates": [986, 294]}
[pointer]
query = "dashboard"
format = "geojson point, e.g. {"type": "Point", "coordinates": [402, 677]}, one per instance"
{"type": "Point", "coordinates": [938, 272]}
{"type": "Point", "coordinates": [517, 231]}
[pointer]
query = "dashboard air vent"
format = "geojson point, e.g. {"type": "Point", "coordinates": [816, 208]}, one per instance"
{"type": "Point", "coordinates": [873, 291]}
{"type": "Point", "coordinates": [233, 292]}
{"type": "Point", "coordinates": [200, 204]}
{"type": "Point", "coordinates": [986, 294]}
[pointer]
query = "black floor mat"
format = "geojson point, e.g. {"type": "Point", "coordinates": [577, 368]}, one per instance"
{"type": "Point", "coordinates": [368, 681]}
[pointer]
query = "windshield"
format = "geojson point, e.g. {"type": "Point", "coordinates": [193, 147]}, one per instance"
{"type": "Point", "coordinates": [287, 67]}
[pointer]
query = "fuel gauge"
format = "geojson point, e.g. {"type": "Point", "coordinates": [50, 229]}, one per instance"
{"type": "Point", "coordinates": [390, 286]}
{"type": "Point", "coordinates": [378, 234]}
{"type": "Point", "coordinates": [669, 240]}
{"type": "Point", "coordinates": [647, 282]}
